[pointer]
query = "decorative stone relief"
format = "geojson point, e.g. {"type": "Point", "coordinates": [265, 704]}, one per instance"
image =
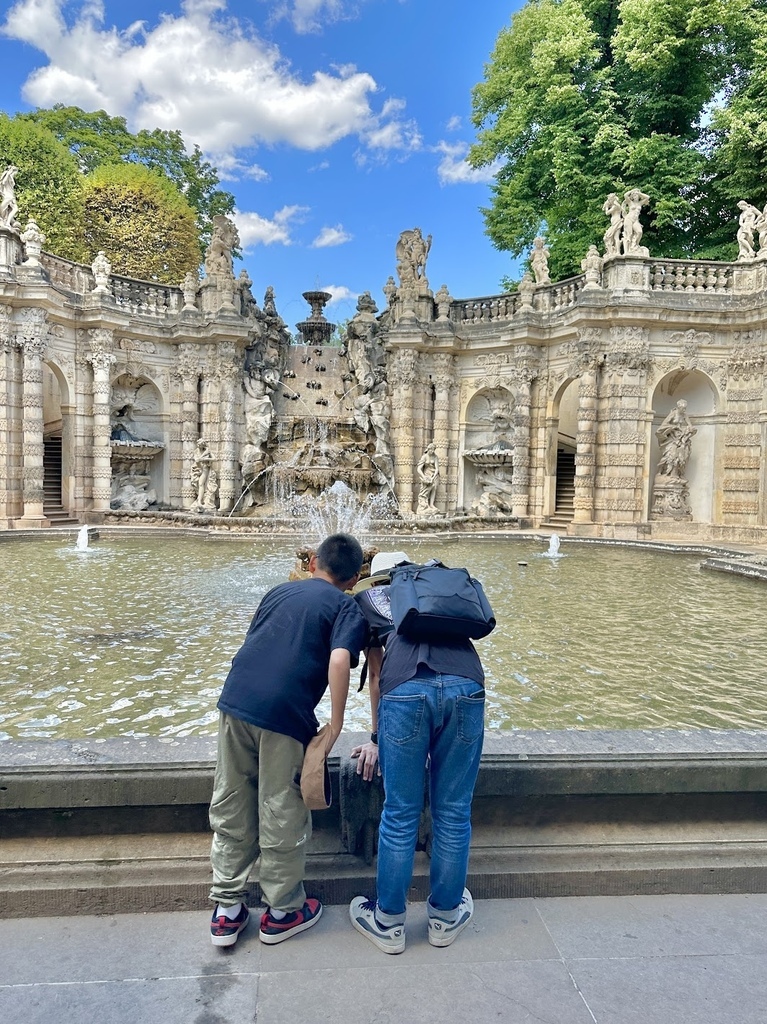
{"type": "Point", "coordinates": [411, 252]}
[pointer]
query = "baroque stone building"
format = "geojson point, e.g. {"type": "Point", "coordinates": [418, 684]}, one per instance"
{"type": "Point", "coordinates": [626, 402]}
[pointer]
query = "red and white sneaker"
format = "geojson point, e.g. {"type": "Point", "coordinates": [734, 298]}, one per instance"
{"type": "Point", "coordinates": [273, 931]}
{"type": "Point", "coordinates": [223, 930]}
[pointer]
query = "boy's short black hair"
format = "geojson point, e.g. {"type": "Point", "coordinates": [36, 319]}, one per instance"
{"type": "Point", "coordinates": [340, 555]}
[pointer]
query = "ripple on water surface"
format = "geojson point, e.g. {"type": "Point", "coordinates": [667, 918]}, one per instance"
{"type": "Point", "coordinates": [135, 637]}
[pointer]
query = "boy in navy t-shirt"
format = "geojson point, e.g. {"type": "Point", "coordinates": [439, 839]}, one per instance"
{"type": "Point", "coordinates": [304, 638]}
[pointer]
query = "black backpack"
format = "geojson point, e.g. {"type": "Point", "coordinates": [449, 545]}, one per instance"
{"type": "Point", "coordinates": [433, 602]}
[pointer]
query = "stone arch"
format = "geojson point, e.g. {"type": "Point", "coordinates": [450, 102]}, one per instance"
{"type": "Point", "coordinates": [58, 441]}
{"type": "Point", "coordinates": [703, 400]}
{"type": "Point", "coordinates": [560, 449]}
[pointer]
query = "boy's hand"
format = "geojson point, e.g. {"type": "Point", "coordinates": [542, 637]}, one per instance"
{"type": "Point", "coordinates": [367, 760]}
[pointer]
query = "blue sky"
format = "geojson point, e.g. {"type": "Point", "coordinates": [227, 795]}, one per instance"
{"type": "Point", "coordinates": [337, 124]}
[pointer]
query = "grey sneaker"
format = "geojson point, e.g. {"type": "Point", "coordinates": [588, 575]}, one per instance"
{"type": "Point", "coordinates": [363, 917]}
{"type": "Point", "coordinates": [443, 931]}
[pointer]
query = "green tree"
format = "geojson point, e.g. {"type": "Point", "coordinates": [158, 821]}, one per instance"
{"type": "Point", "coordinates": [585, 97]}
{"type": "Point", "coordinates": [141, 221]}
{"type": "Point", "coordinates": [48, 185]}
{"type": "Point", "coordinates": [97, 139]}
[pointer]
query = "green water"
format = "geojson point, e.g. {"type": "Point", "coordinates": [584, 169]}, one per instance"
{"type": "Point", "coordinates": [134, 636]}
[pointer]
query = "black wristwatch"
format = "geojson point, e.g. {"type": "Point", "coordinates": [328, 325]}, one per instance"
{"type": "Point", "coordinates": [374, 738]}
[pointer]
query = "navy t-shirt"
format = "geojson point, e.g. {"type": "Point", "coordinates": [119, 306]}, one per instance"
{"type": "Point", "coordinates": [280, 673]}
{"type": "Point", "coordinates": [404, 658]}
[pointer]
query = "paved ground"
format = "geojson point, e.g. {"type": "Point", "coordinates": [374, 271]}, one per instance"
{"type": "Point", "coordinates": [586, 960]}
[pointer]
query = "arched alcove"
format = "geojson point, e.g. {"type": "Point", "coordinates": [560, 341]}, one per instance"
{"type": "Point", "coordinates": [702, 408]}
{"type": "Point", "coordinates": [488, 424]}
{"type": "Point", "coordinates": [561, 432]}
{"type": "Point", "coordinates": [137, 418]}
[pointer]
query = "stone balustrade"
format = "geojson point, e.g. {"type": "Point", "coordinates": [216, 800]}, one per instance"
{"type": "Point", "coordinates": [489, 309]}
{"type": "Point", "coordinates": [690, 276]}
{"type": "Point", "coordinates": [145, 298]}
{"type": "Point", "coordinates": [68, 275]}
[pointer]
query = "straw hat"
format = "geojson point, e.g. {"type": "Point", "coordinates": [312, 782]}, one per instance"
{"type": "Point", "coordinates": [379, 569]}
{"type": "Point", "coordinates": [315, 777]}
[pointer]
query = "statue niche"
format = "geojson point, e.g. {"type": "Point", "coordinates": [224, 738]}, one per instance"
{"type": "Point", "coordinates": [135, 431]}
{"type": "Point", "coordinates": [489, 449]}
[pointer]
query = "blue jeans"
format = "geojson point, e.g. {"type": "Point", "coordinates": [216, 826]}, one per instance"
{"type": "Point", "coordinates": [441, 717]}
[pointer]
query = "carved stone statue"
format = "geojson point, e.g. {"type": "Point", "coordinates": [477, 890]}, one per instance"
{"type": "Point", "coordinates": [33, 240]}
{"type": "Point", "coordinates": [633, 202]}
{"type": "Point", "coordinates": [496, 496]}
{"type": "Point", "coordinates": [101, 268]}
{"type": "Point", "coordinates": [259, 409]}
{"type": "Point", "coordinates": [675, 436]}
{"type": "Point", "coordinates": [747, 224]}
{"type": "Point", "coordinates": [131, 488]}
{"type": "Point", "coordinates": [218, 257]}
{"type": "Point", "coordinates": [591, 265]}
{"type": "Point", "coordinates": [671, 492]}
{"type": "Point", "coordinates": [201, 466]}
{"type": "Point", "coordinates": [525, 288]}
{"type": "Point", "coordinates": [8, 205]}
{"type": "Point", "coordinates": [412, 251]}
{"type": "Point", "coordinates": [539, 261]}
{"type": "Point", "coordinates": [428, 473]}
{"type": "Point", "coordinates": [270, 307]}
{"type": "Point", "coordinates": [123, 425]}
{"type": "Point", "coordinates": [613, 207]}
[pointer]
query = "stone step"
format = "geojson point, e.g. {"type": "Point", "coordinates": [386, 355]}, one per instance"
{"type": "Point", "coordinates": [113, 874]}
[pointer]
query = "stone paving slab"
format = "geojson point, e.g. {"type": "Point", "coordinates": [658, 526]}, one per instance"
{"type": "Point", "coordinates": [586, 960]}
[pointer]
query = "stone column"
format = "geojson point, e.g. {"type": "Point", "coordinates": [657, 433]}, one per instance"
{"type": "Point", "coordinates": [101, 358]}
{"type": "Point", "coordinates": [31, 339]}
{"type": "Point", "coordinates": [230, 370]}
{"type": "Point", "coordinates": [444, 379]}
{"type": "Point", "coordinates": [8, 375]}
{"type": "Point", "coordinates": [403, 376]}
{"type": "Point", "coordinates": [520, 481]}
{"type": "Point", "coordinates": [585, 446]}
{"type": "Point", "coordinates": [619, 477]}
{"type": "Point", "coordinates": [188, 369]}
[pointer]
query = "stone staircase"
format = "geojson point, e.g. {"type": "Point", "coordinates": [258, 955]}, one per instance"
{"type": "Point", "coordinates": [52, 498]}
{"type": "Point", "coordinates": [564, 507]}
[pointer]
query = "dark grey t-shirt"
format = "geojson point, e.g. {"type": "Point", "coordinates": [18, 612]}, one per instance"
{"type": "Point", "coordinates": [404, 659]}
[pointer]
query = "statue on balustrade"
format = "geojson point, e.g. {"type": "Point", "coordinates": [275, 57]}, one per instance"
{"type": "Point", "coordinates": [747, 224]}
{"type": "Point", "coordinates": [624, 234]}
{"type": "Point", "coordinates": [218, 258]}
{"type": "Point", "coordinates": [8, 205]}
{"type": "Point", "coordinates": [539, 261]}
{"type": "Point", "coordinates": [412, 251]}
{"type": "Point", "coordinates": [613, 208]}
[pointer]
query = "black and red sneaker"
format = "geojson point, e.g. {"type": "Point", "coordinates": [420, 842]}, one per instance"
{"type": "Point", "coordinates": [223, 931]}
{"type": "Point", "coordinates": [273, 931]}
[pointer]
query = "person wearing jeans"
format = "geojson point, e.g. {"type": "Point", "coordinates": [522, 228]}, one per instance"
{"type": "Point", "coordinates": [431, 708]}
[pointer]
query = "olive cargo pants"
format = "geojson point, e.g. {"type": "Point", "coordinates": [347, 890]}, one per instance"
{"type": "Point", "coordinates": [257, 809]}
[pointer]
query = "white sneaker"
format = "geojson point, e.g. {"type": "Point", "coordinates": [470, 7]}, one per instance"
{"type": "Point", "coordinates": [443, 931]}
{"type": "Point", "coordinates": [363, 917]}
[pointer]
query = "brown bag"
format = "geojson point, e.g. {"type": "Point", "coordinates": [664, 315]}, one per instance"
{"type": "Point", "coordinates": [315, 777]}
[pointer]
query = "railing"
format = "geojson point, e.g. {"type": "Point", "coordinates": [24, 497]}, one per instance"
{"type": "Point", "coordinates": [145, 298]}
{"type": "Point", "coordinates": [690, 276]}
{"type": "Point", "coordinates": [486, 310]}
{"type": "Point", "coordinates": [66, 274]}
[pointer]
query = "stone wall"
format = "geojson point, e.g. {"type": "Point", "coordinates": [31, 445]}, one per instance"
{"type": "Point", "coordinates": [506, 389]}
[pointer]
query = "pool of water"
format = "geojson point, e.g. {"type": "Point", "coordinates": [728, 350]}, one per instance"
{"type": "Point", "coordinates": [134, 637]}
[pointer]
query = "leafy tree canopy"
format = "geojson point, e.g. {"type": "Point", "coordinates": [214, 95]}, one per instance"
{"type": "Point", "coordinates": [586, 97]}
{"type": "Point", "coordinates": [48, 185]}
{"type": "Point", "coordinates": [144, 225]}
{"type": "Point", "coordinates": [96, 139]}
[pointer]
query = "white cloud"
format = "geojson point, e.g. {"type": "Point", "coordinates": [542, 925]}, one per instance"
{"type": "Point", "coordinates": [199, 71]}
{"type": "Point", "coordinates": [309, 15]}
{"type": "Point", "coordinates": [331, 236]}
{"type": "Point", "coordinates": [254, 229]}
{"type": "Point", "coordinates": [231, 168]}
{"type": "Point", "coordinates": [454, 123]}
{"type": "Point", "coordinates": [454, 170]}
{"type": "Point", "coordinates": [340, 293]}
